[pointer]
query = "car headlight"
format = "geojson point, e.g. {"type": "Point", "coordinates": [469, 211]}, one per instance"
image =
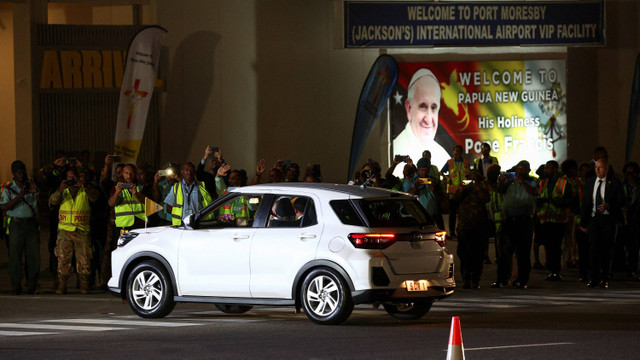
{"type": "Point", "coordinates": [126, 237]}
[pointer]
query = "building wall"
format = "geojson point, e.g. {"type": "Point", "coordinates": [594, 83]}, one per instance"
{"type": "Point", "coordinates": [271, 84]}
{"type": "Point", "coordinates": [7, 93]}
{"type": "Point", "coordinates": [264, 79]}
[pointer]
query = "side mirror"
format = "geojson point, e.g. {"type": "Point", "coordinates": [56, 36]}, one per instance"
{"type": "Point", "coordinates": [188, 221]}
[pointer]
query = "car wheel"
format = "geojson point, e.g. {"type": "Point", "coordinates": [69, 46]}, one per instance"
{"type": "Point", "coordinates": [149, 290]}
{"type": "Point", "coordinates": [408, 311]}
{"type": "Point", "coordinates": [325, 297]}
{"type": "Point", "coordinates": [233, 309]}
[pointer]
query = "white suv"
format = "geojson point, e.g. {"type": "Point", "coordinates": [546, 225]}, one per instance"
{"type": "Point", "coordinates": [319, 247]}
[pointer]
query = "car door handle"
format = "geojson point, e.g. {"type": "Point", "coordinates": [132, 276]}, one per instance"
{"type": "Point", "coordinates": [306, 236]}
{"type": "Point", "coordinates": [237, 237]}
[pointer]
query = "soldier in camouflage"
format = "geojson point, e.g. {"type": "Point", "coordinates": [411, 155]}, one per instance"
{"type": "Point", "coordinates": [74, 229]}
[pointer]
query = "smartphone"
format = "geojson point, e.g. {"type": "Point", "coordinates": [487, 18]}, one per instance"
{"type": "Point", "coordinates": [467, 182]}
{"type": "Point", "coordinates": [401, 158]}
{"type": "Point", "coordinates": [127, 185]}
{"type": "Point", "coordinates": [425, 181]}
{"type": "Point", "coordinates": [116, 158]}
{"type": "Point", "coordinates": [166, 172]}
{"type": "Point", "coordinates": [510, 175]}
{"type": "Point", "coordinates": [215, 149]}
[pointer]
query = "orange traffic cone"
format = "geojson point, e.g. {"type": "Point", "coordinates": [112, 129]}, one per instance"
{"type": "Point", "coordinates": [456, 349]}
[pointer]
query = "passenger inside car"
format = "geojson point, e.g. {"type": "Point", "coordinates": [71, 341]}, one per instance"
{"type": "Point", "coordinates": [283, 214]}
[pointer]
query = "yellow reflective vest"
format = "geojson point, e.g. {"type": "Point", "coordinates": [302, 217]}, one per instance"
{"type": "Point", "coordinates": [74, 213]}
{"type": "Point", "coordinates": [129, 209]}
{"type": "Point", "coordinates": [238, 207]}
{"type": "Point", "coordinates": [176, 210]}
{"type": "Point", "coordinates": [549, 212]}
{"type": "Point", "coordinates": [456, 175]}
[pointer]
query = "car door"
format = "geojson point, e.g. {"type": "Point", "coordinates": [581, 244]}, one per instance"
{"type": "Point", "coordinates": [214, 258]}
{"type": "Point", "coordinates": [282, 247]}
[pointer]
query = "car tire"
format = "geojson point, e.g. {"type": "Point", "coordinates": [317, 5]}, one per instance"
{"type": "Point", "coordinates": [408, 311]}
{"type": "Point", "coordinates": [325, 297]}
{"type": "Point", "coordinates": [149, 290]}
{"type": "Point", "coordinates": [233, 309]}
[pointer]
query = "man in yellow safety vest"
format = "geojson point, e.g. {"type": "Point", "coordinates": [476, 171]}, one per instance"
{"type": "Point", "coordinates": [551, 210]}
{"type": "Point", "coordinates": [458, 170]}
{"type": "Point", "coordinates": [187, 196]}
{"type": "Point", "coordinates": [127, 201]}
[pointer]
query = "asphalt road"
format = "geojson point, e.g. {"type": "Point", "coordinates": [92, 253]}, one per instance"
{"type": "Point", "coordinates": [497, 324]}
{"type": "Point", "coordinates": [559, 320]}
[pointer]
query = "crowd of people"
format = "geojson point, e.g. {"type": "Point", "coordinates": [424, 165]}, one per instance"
{"type": "Point", "coordinates": [583, 215]}
{"type": "Point", "coordinates": [88, 209]}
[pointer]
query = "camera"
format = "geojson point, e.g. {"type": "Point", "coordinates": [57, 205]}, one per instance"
{"type": "Point", "coordinates": [127, 185]}
{"type": "Point", "coordinates": [116, 158]}
{"type": "Point", "coordinates": [365, 174]}
{"type": "Point", "coordinates": [401, 158]}
{"type": "Point", "coordinates": [215, 149]}
{"type": "Point", "coordinates": [71, 182]}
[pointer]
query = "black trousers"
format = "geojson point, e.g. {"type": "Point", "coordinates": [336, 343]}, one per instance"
{"type": "Point", "coordinates": [634, 247]}
{"type": "Point", "coordinates": [471, 253]}
{"type": "Point", "coordinates": [553, 234]}
{"type": "Point", "coordinates": [601, 232]}
{"type": "Point", "coordinates": [583, 253]}
{"type": "Point", "coordinates": [517, 235]}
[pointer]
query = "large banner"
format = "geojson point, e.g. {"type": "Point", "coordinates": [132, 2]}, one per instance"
{"type": "Point", "coordinates": [373, 99]}
{"type": "Point", "coordinates": [517, 107]}
{"type": "Point", "coordinates": [441, 23]}
{"type": "Point", "coordinates": [137, 88]}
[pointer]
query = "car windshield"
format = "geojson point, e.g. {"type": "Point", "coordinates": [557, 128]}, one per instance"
{"type": "Point", "coordinates": [394, 212]}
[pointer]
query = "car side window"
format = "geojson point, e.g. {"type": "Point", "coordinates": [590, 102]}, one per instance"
{"type": "Point", "coordinates": [345, 212]}
{"type": "Point", "coordinates": [292, 212]}
{"type": "Point", "coordinates": [239, 211]}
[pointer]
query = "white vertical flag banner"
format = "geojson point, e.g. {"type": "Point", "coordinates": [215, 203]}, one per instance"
{"type": "Point", "coordinates": [138, 82]}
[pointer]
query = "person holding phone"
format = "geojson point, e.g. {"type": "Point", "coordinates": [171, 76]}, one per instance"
{"type": "Point", "coordinates": [517, 225]}
{"type": "Point", "coordinates": [74, 227]}
{"type": "Point", "coordinates": [424, 189]}
{"type": "Point", "coordinates": [472, 229]}
{"type": "Point", "coordinates": [19, 200]}
{"type": "Point", "coordinates": [127, 201]}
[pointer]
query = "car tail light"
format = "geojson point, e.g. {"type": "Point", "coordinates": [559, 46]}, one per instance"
{"type": "Point", "coordinates": [372, 241]}
{"type": "Point", "coordinates": [441, 238]}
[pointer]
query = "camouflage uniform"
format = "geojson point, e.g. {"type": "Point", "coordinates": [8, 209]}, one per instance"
{"type": "Point", "coordinates": [70, 242]}
{"type": "Point", "coordinates": [73, 234]}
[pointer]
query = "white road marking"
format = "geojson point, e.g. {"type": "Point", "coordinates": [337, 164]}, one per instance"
{"type": "Point", "coordinates": [57, 327]}
{"type": "Point", "coordinates": [23, 333]}
{"type": "Point", "coordinates": [517, 346]}
{"type": "Point", "coordinates": [123, 322]}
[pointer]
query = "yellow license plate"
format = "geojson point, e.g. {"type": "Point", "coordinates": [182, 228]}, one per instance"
{"type": "Point", "coordinates": [420, 285]}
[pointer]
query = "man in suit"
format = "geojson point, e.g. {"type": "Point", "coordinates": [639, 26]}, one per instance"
{"type": "Point", "coordinates": [600, 211]}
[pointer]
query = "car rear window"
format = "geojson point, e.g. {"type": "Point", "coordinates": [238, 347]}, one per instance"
{"type": "Point", "coordinates": [394, 212]}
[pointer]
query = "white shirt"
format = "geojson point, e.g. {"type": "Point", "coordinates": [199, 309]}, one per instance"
{"type": "Point", "coordinates": [406, 143]}
{"type": "Point", "coordinates": [595, 189]}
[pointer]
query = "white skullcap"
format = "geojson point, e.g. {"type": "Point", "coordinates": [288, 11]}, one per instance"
{"type": "Point", "coordinates": [421, 73]}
